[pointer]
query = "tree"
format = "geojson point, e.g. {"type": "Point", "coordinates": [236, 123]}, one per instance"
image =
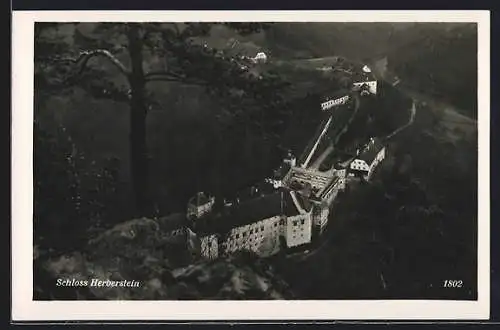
{"type": "Point", "coordinates": [128, 47]}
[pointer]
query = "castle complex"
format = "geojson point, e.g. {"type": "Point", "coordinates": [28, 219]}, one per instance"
{"type": "Point", "coordinates": [291, 208]}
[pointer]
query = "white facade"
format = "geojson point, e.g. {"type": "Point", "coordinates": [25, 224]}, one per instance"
{"type": "Point", "coordinates": [380, 156]}
{"type": "Point", "coordinates": [342, 174]}
{"type": "Point", "coordinates": [298, 229]}
{"type": "Point", "coordinates": [260, 58]}
{"type": "Point", "coordinates": [372, 86]}
{"type": "Point", "coordinates": [359, 165]}
{"type": "Point", "coordinates": [210, 246]}
{"type": "Point", "coordinates": [261, 237]}
{"type": "Point", "coordinates": [318, 180]}
{"type": "Point", "coordinates": [198, 210]}
{"type": "Point", "coordinates": [334, 102]}
{"type": "Point", "coordinates": [291, 160]}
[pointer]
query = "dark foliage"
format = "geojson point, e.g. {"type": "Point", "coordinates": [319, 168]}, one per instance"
{"type": "Point", "coordinates": [445, 65]}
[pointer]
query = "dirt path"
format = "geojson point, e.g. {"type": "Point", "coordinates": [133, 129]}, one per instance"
{"type": "Point", "coordinates": [413, 112]}
{"type": "Point", "coordinates": [451, 113]}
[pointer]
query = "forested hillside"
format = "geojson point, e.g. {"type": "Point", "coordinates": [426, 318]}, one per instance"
{"type": "Point", "coordinates": [438, 59]}
{"type": "Point", "coordinates": [442, 65]}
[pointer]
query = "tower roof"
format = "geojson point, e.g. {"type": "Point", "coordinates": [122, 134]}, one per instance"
{"type": "Point", "coordinates": [199, 199]}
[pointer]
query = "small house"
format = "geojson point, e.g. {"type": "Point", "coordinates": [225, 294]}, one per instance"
{"type": "Point", "coordinates": [366, 161]}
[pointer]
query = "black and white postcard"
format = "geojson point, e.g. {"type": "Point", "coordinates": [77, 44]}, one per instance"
{"type": "Point", "coordinates": [260, 165]}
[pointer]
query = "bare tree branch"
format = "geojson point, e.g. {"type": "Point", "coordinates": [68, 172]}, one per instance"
{"type": "Point", "coordinates": [154, 74]}
{"type": "Point", "coordinates": [87, 55]}
{"type": "Point", "coordinates": [181, 80]}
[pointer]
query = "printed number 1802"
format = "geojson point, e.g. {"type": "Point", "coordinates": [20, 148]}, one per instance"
{"type": "Point", "coordinates": [452, 283]}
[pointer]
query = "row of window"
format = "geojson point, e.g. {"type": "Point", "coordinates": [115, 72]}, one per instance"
{"type": "Point", "coordinates": [331, 103]}
{"type": "Point", "coordinates": [296, 222]}
{"type": "Point", "coordinates": [307, 177]}
{"type": "Point", "coordinates": [250, 244]}
{"type": "Point", "coordinates": [252, 231]}
{"type": "Point", "coordinates": [358, 167]}
{"type": "Point", "coordinates": [294, 237]}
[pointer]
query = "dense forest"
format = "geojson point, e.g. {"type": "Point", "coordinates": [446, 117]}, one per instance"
{"type": "Point", "coordinates": [132, 119]}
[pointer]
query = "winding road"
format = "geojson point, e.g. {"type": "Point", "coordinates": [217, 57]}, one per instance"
{"type": "Point", "coordinates": [413, 113]}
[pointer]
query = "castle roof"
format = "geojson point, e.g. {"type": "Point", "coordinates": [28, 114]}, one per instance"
{"type": "Point", "coordinates": [199, 199]}
{"type": "Point", "coordinates": [329, 187]}
{"type": "Point", "coordinates": [303, 202]}
{"type": "Point", "coordinates": [250, 211]}
{"type": "Point", "coordinates": [371, 150]}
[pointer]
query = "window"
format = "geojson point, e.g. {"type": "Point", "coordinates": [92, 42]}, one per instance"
{"type": "Point", "coordinates": [295, 222]}
{"type": "Point", "coordinates": [238, 235]}
{"type": "Point", "coordinates": [244, 234]}
{"type": "Point", "coordinates": [261, 228]}
{"type": "Point", "coordinates": [302, 221]}
{"type": "Point", "coordinates": [251, 231]}
{"type": "Point", "coordinates": [275, 224]}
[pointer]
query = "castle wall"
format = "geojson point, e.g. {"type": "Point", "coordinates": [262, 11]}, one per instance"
{"type": "Point", "coordinates": [316, 179]}
{"type": "Point", "coordinates": [359, 165]}
{"type": "Point", "coordinates": [209, 246]}
{"type": "Point", "coordinates": [298, 229]}
{"type": "Point", "coordinates": [332, 103]}
{"type": "Point", "coordinates": [200, 210]}
{"type": "Point", "coordinates": [320, 216]}
{"type": "Point", "coordinates": [261, 237]}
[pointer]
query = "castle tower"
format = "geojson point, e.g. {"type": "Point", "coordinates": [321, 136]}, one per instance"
{"type": "Point", "coordinates": [199, 205]}
{"type": "Point", "coordinates": [290, 159]}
